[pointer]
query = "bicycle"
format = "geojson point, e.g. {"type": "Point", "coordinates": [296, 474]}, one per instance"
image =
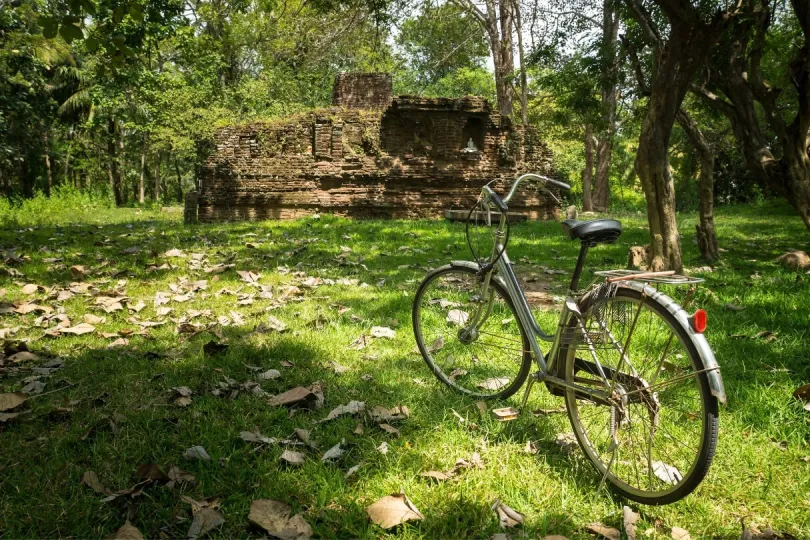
{"type": "Point", "coordinates": [639, 379]}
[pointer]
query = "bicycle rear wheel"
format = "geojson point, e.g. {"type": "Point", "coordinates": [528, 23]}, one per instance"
{"type": "Point", "coordinates": [655, 439]}
{"type": "Point", "coordinates": [490, 360]}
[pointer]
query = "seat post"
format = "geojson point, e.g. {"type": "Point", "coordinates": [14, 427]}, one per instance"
{"type": "Point", "coordinates": [583, 251]}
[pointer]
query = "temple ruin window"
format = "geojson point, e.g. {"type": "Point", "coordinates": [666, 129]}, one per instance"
{"type": "Point", "coordinates": [473, 130]}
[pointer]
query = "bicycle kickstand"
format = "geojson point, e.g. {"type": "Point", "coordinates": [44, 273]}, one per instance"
{"type": "Point", "coordinates": [533, 378]}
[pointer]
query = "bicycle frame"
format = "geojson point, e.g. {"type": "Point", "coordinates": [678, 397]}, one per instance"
{"type": "Point", "coordinates": [503, 267]}
{"type": "Point", "coordinates": [548, 364]}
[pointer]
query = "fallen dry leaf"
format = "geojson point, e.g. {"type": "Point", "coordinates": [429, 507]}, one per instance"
{"type": "Point", "coordinates": [437, 344]}
{"type": "Point", "coordinates": [438, 476]}
{"type": "Point", "coordinates": [25, 309]}
{"type": "Point", "coordinates": [507, 517]}
{"type": "Point", "coordinates": [666, 473]}
{"type": "Point", "coordinates": [293, 458]}
{"type": "Point", "coordinates": [29, 289]}
{"type": "Point", "coordinates": [493, 384]}
{"type": "Point", "coordinates": [270, 375]}
{"type": "Point", "coordinates": [457, 317]}
{"type": "Point", "coordinates": [78, 271]}
{"type": "Point", "coordinates": [389, 428]}
{"type": "Point", "coordinates": [89, 318]}
{"type": "Point", "coordinates": [353, 469]}
{"type": "Point", "coordinates": [678, 533]}
{"type": "Point", "coordinates": [392, 510]}
{"type": "Point", "coordinates": [204, 521]}
{"type": "Point", "coordinates": [152, 471]}
{"type": "Point", "coordinates": [333, 453]}
{"type": "Point", "coordinates": [79, 329]}
{"type": "Point", "coordinates": [247, 276]}
{"type": "Point", "coordinates": [6, 417]}
{"type": "Point", "coordinates": [294, 397]}
{"type": "Point", "coordinates": [23, 356]}
{"type": "Point", "coordinates": [380, 414]}
{"type": "Point", "coordinates": [179, 476]}
{"type": "Point", "coordinates": [611, 533]}
{"type": "Point", "coordinates": [352, 407]}
{"type": "Point", "coordinates": [276, 324]}
{"type": "Point", "coordinates": [274, 517]}
{"type": "Point", "coordinates": [256, 437]}
{"type": "Point", "coordinates": [128, 532]}
{"type": "Point", "coordinates": [630, 518]}
{"type": "Point", "coordinates": [802, 392]}
{"type": "Point", "coordinates": [12, 400]}
{"type": "Point", "coordinates": [382, 332]}
{"type": "Point", "coordinates": [196, 453]}
{"type": "Point", "coordinates": [90, 479]}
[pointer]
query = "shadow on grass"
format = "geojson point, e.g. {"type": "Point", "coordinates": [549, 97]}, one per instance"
{"type": "Point", "coordinates": [45, 454]}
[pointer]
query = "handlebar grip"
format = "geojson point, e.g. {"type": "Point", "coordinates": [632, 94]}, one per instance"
{"type": "Point", "coordinates": [561, 185]}
{"type": "Point", "coordinates": [496, 200]}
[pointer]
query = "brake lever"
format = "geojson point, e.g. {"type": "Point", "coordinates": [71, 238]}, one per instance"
{"type": "Point", "coordinates": [544, 188]}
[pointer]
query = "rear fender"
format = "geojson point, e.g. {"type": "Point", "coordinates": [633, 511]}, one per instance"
{"type": "Point", "coordinates": [698, 339]}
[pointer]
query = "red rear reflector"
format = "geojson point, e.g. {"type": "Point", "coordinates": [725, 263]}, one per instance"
{"type": "Point", "coordinates": [699, 320]}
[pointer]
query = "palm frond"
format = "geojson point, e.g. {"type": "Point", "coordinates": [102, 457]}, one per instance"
{"type": "Point", "coordinates": [79, 102]}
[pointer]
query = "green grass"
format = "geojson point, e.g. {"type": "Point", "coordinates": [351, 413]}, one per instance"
{"type": "Point", "coordinates": [122, 396]}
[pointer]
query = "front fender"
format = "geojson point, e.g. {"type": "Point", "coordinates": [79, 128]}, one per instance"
{"type": "Point", "coordinates": [698, 339]}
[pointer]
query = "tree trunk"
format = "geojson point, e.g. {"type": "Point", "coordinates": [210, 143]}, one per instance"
{"type": "Point", "coordinates": [610, 97]}
{"type": "Point", "coordinates": [67, 161]}
{"type": "Point", "coordinates": [524, 87]}
{"type": "Point", "coordinates": [706, 234]}
{"type": "Point", "coordinates": [798, 181]}
{"type": "Point", "coordinates": [507, 53]}
{"type": "Point", "coordinates": [47, 143]}
{"type": "Point", "coordinates": [689, 42]}
{"type": "Point", "coordinates": [112, 163]}
{"type": "Point", "coordinates": [497, 22]}
{"type": "Point", "coordinates": [140, 183]}
{"type": "Point", "coordinates": [751, 100]}
{"type": "Point", "coordinates": [587, 172]}
{"type": "Point", "coordinates": [179, 192]}
{"type": "Point", "coordinates": [122, 165]}
{"type": "Point", "coordinates": [157, 179]}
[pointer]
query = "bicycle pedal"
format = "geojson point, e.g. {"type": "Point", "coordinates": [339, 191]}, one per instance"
{"type": "Point", "coordinates": [506, 414]}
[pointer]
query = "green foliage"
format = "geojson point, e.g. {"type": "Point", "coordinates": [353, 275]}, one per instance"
{"type": "Point", "coordinates": [440, 40]}
{"type": "Point", "coordinates": [65, 205]}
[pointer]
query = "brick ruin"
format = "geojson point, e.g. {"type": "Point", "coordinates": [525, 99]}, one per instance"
{"type": "Point", "coordinates": [370, 155]}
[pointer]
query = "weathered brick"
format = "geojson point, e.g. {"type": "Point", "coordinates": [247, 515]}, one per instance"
{"type": "Point", "coordinates": [406, 158]}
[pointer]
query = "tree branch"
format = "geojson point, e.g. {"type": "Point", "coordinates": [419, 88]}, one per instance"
{"type": "Point", "coordinates": [473, 10]}
{"type": "Point", "coordinates": [645, 21]}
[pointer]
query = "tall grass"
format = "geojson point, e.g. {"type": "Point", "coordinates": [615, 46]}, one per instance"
{"type": "Point", "coordinates": [65, 205]}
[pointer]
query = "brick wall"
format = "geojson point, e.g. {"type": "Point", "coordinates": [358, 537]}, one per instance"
{"type": "Point", "coordinates": [362, 91]}
{"type": "Point", "coordinates": [409, 160]}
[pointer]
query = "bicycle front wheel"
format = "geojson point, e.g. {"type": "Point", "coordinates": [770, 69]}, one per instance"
{"type": "Point", "coordinates": [655, 436]}
{"type": "Point", "coordinates": [490, 359]}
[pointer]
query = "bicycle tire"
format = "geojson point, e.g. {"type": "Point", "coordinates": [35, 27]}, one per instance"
{"type": "Point", "coordinates": [424, 349]}
{"type": "Point", "coordinates": [710, 407]}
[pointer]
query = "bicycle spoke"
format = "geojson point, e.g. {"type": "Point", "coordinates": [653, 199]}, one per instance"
{"type": "Point", "coordinates": [659, 429]}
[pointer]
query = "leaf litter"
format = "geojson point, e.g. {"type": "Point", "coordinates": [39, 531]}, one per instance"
{"type": "Point", "coordinates": [274, 517]}
{"type": "Point", "coordinates": [393, 510]}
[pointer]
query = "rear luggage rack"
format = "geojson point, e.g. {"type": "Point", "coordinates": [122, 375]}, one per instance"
{"type": "Point", "coordinates": [668, 277]}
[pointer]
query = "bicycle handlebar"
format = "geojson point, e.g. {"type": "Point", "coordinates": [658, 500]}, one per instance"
{"type": "Point", "coordinates": [545, 179]}
{"type": "Point", "coordinates": [501, 203]}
